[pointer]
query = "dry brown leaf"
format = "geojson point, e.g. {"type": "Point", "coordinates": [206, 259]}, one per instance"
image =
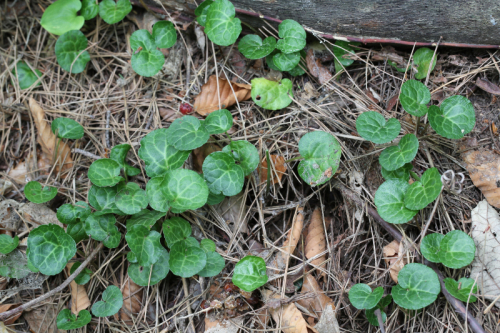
{"type": "Point", "coordinates": [43, 318]}
{"type": "Point", "coordinates": [6, 307]}
{"type": "Point", "coordinates": [277, 171]}
{"type": "Point", "coordinates": [393, 256]}
{"type": "Point", "coordinates": [315, 239]}
{"type": "Point", "coordinates": [236, 59]}
{"type": "Point", "coordinates": [143, 20]}
{"type": "Point", "coordinates": [79, 297]}
{"type": "Point", "coordinates": [199, 155]}
{"type": "Point", "coordinates": [392, 102]}
{"type": "Point", "coordinates": [214, 325]}
{"type": "Point", "coordinates": [328, 323]}
{"type": "Point", "coordinates": [233, 210]}
{"type": "Point", "coordinates": [132, 300]}
{"type": "Point", "coordinates": [310, 91]}
{"type": "Point", "coordinates": [286, 316]}
{"type": "Point", "coordinates": [3, 283]}
{"type": "Point", "coordinates": [319, 301]}
{"type": "Point", "coordinates": [27, 167]}
{"type": "Point", "coordinates": [262, 317]}
{"type": "Point", "coordinates": [317, 69]}
{"type": "Point", "coordinates": [207, 101]}
{"type": "Point", "coordinates": [487, 86]}
{"type": "Point", "coordinates": [484, 170]}
{"type": "Point", "coordinates": [38, 214]}
{"type": "Point", "coordinates": [438, 96]}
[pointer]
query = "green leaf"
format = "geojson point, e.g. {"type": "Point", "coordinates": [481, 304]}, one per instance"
{"type": "Point", "coordinates": [372, 126]}
{"type": "Point", "coordinates": [187, 133]}
{"type": "Point", "coordinates": [362, 297]}
{"type": "Point", "coordinates": [186, 261]}
{"type": "Point", "coordinates": [253, 47]}
{"type": "Point", "coordinates": [144, 243]}
{"type": "Point", "coordinates": [131, 199]}
{"type": "Point", "coordinates": [430, 247]}
{"type": "Point", "coordinates": [102, 228]}
{"type": "Point", "coordinates": [112, 301]}
{"type": "Point", "coordinates": [215, 264]}
{"type": "Point", "coordinates": [270, 61]}
{"type": "Point", "coordinates": [31, 267]}
{"type": "Point", "coordinates": [201, 12]}
{"type": "Point", "coordinates": [395, 157]}
{"type": "Point", "coordinates": [342, 48]}
{"type": "Point", "coordinates": [402, 173]}
{"type": "Point", "coordinates": [104, 172]}
{"type": "Point", "coordinates": [272, 95]}
{"type": "Point", "coordinates": [113, 12]}
{"type": "Point", "coordinates": [191, 241]}
{"type": "Point", "coordinates": [15, 265]}
{"type": "Point", "coordinates": [215, 199]}
{"type": "Point", "coordinates": [156, 198]}
{"type": "Point", "coordinates": [25, 76]}
{"type": "Point", "coordinates": [463, 289]}
{"type": "Point", "coordinates": [50, 248]}
{"type": "Point", "coordinates": [77, 232]}
{"type": "Point", "coordinates": [423, 192]}
{"type": "Point", "coordinates": [103, 199]}
{"type": "Point", "coordinates": [286, 62]}
{"type": "Point", "coordinates": [218, 122]}
{"type": "Point", "coordinates": [457, 249]}
{"type": "Point", "coordinates": [70, 51]}
{"type": "Point", "coordinates": [131, 257]}
{"type": "Point", "coordinates": [207, 245]}
{"type": "Point", "coordinates": [389, 200]}
{"type": "Point", "coordinates": [66, 128]}
{"type": "Point", "coordinates": [423, 58]}
{"type": "Point", "coordinates": [250, 273]}
{"type": "Point", "coordinates": [142, 39]}
{"type": "Point", "coordinates": [71, 214]}
{"type": "Point", "coordinates": [222, 174]}
{"type": "Point", "coordinates": [164, 34]}
{"type": "Point", "coordinates": [293, 37]}
{"type": "Point", "coordinates": [221, 27]}
{"type": "Point", "coordinates": [119, 155]}
{"type": "Point", "coordinates": [68, 321]}
{"type": "Point", "coordinates": [150, 275]}
{"type": "Point", "coordinates": [418, 286]}
{"type": "Point", "coordinates": [145, 218]}
{"type": "Point", "coordinates": [454, 119]}
{"type": "Point", "coordinates": [382, 304]}
{"type": "Point", "coordinates": [36, 194]}
{"type": "Point", "coordinates": [414, 97]}
{"type": "Point", "coordinates": [148, 63]}
{"type": "Point", "coordinates": [395, 66]}
{"type": "Point", "coordinates": [90, 9]}
{"type": "Point", "coordinates": [184, 189]}
{"type": "Point", "coordinates": [84, 275]}
{"type": "Point", "coordinates": [176, 229]}
{"type": "Point", "coordinates": [245, 154]}
{"type": "Point", "coordinates": [8, 244]}
{"type": "Point", "coordinates": [61, 17]}
{"type": "Point", "coordinates": [321, 153]}
{"type": "Point", "coordinates": [297, 70]}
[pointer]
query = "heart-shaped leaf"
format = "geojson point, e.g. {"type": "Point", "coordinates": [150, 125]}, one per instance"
{"type": "Point", "coordinates": [372, 126]}
{"type": "Point", "coordinates": [150, 275]}
{"type": "Point", "coordinates": [77, 231]}
{"type": "Point", "coordinates": [361, 296]}
{"type": "Point", "coordinates": [402, 173]}
{"type": "Point", "coordinates": [423, 58]}
{"type": "Point", "coordinates": [50, 248]}
{"type": "Point", "coordinates": [156, 198]}
{"type": "Point", "coordinates": [25, 76]}
{"type": "Point", "coordinates": [112, 301]}
{"type": "Point", "coordinates": [272, 95]}
{"type": "Point", "coordinates": [148, 63]}
{"type": "Point", "coordinates": [103, 199]}
{"type": "Point", "coordinates": [102, 228]}
{"type": "Point", "coordinates": [184, 189]}
{"type": "Point", "coordinates": [418, 286]}
{"type": "Point", "coordinates": [131, 199]}
{"type": "Point", "coordinates": [321, 153]}
{"type": "Point", "coordinates": [71, 214]}
{"type": "Point", "coordinates": [454, 119]}
{"type": "Point", "coordinates": [70, 51]}
{"type": "Point", "coordinates": [68, 321]}
{"type": "Point", "coordinates": [90, 9]}
{"type": "Point", "coordinates": [142, 40]}
{"type": "Point", "coordinates": [29, 265]}
{"type": "Point", "coordinates": [382, 304]}
{"type": "Point", "coordinates": [457, 249]}
{"type": "Point", "coordinates": [253, 47]}
{"type": "Point", "coordinates": [113, 12]}
{"type": "Point", "coordinates": [187, 133]}
{"type": "Point", "coordinates": [245, 154]}
{"type": "Point", "coordinates": [104, 172]}
{"type": "Point", "coordinates": [145, 217]}
{"type": "Point", "coordinates": [186, 261]}
{"type": "Point", "coordinates": [84, 275]}
{"type": "Point", "coordinates": [215, 199]}
{"type": "Point", "coordinates": [286, 61]}
{"type": "Point", "coordinates": [207, 245]}
{"type": "Point", "coordinates": [462, 289]}
{"type": "Point", "coordinates": [423, 192]}
{"type": "Point", "coordinates": [61, 17]}
{"type": "Point", "coordinates": [218, 122]}
{"type": "Point", "coordinates": [293, 37]}
{"type": "Point", "coordinates": [36, 194]}
{"type": "Point", "coordinates": [15, 265]}
{"type": "Point", "coordinates": [250, 273]}
{"type": "Point", "coordinates": [66, 128]}
{"type": "Point", "coordinates": [201, 12]}
{"type": "Point", "coordinates": [430, 247]}
{"type": "Point", "coordinates": [389, 200]}
{"type": "Point", "coordinates": [119, 155]}
{"type": "Point", "coordinates": [164, 34]}
{"type": "Point", "coordinates": [414, 96]}
{"type": "Point", "coordinates": [221, 27]}
{"type": "Point", "coordinates": [215, 264]}
{"type": "Point", "coordinates": [8, 244]}
{"type": "Point", "coordinates": [144, 243]}
{"type": "Point", "coordinates": [395, 157]}
{"type": "Point", "coordinates": [222, 174]}
{"type": "Point", "coordinates": [176, 229]}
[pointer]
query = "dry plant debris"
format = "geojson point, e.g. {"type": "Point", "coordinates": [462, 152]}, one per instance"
{"type": "Point", "coordinates": [484, 170]}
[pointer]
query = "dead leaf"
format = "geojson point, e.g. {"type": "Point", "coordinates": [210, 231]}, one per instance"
{"type": "Point", "coordinates": [207, 101]}
{"type": "Point", "coordinates": [43, 318]}
{"type": "Point", "coordinates": [277, 171]}
{"type": "Point", "coordinates": [132, 300]}
{"type": "Point", "coordinates": [38, 214]}
{"type": "Point", "coordinates": [484, 170]}
{"type": "Point", "coordinates": [440, 79]}
{"type": "Point", "coordinates": [233, 210]}
{"type": "Point", "coordinates": [236, 59]}
{"type": "Point", "coordinates": [26, 168]}
{"type": "Point", "coordinates": [214, 325]}
{"type": "Point", "coordinates": [393, 256]}
{"type": "Point", "coordinates": [438, 96]}
{"type": "Point", "coordinates": [286, 316]}
{"type": "Point", "coordinates": [310, 90]}
{"type": "Point", "coordinates": [328, 323]}
{"type": "Point", "coordinates": [7, 307]}
{"type": "Point", "coordinates": [317, 303]}
{"type": "Point", "coordinates": [392, 102]}
{"type": "Point", "coordinates": [79, 297]}
{"type": "Point", "coordinates": [389, 53]}
{"type": "Point", "coordinates": [3, 283]}
{"type": "Point", "coordinates": [199, 155]}
{"type": "Point", "coordinates": [143, 20]}
{"type": "Point", "coordinates": [315, 240]}
{"type": "Point", "coordinates": [317, 69]}
{"type": "Point", "coordinates": [458, 60]}
{"type": "Point", "coordinates": [487, 86]}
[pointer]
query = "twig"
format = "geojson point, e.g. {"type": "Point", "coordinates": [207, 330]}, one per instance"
{"type": "Point", "coordinates": [86, 153]}
{"type": "Point", "coordinates": [108, 116]}
{"type": "Point", "coordinates": [380, 321]}
{"type": "Point", "coordinates": [186, 294]}
{"type": "Point", "coordinates": [5, 315]}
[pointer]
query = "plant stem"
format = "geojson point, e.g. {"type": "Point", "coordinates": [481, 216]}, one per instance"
{"type": "Point", "coordinates": [415, 176]}
{"type": "Point", "coordinates": [418, 125]}
{"type": "Point", "coordinates": [294, 159]}
{"type": "Point", "coordinates": [380, 321]}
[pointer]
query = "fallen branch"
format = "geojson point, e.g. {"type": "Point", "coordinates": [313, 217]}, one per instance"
{"type": "Point", "coordinates": [457, 305]}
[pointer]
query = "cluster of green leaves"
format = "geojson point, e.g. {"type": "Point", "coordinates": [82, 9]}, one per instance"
{"type": "Point", "coordinates": [456, 249]}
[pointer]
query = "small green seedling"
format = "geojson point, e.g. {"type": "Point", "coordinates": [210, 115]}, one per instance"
{"type": "Point", "coordinates": [35, 193]}
{"type": "Point", "coordinates": [462, 289]}
{"type": "Point", "coordinates": [362, 297]}
{"type": "Point", "coordinates": [424, 191]}
{"type": "Point", "coordinates": [402, 173]}
{"type": "Point", "coordinates": [221, 25]}
{"type": "Point", "coordinates": [455, 250]}
{"type": "Point", "coordinates": [454, 118]}
{"type": "Point", "coordinates": [293, 37]}
{"type": "Point", "coordinates": [153, 274]}
{"type": "Point", "coordinates": [83, 277]}
{"type": "Point", "coordinates": [113, 12]}
{"type": "Point", "coordinates": [164, 34]}
{"type": "Point", "coordinates": [103, 199]}
{"type": "Point", "coordinates": [119, 155]}
{"type": "Point", "coordinates": [425, 60]}
{"type": "Point", "coordinates": [395, 157]}
{"type": "Point", "coordinates": [373, 126]}
{"type": "Point", "coordinates": [184, 189]}
{"type": "Point", "coordinates": [340, 49]}
{"type": "Point", "coordinates": [145, 244]}
{"type": "Point", "coordinates": [131, 199]}
{"type": "Point", "coordinates": [25, 76]}
{"type": "Point", "coordinates": [112, 301]}
{"type": "Point", "coordinates": [66, 128]}
{"type": "Point", "coordinates": [62, 16]}
{"type": "Point", "coordinates": [102, 228]}
{"type": "Point", "coordinates": [223, 174]}
{"type": "Point", "coordinates": [201, 12]}
{"type": "Point", "coordinates": [382, 304]}
{"type": "Point", "coordinates": [253, 47]}
{"type": "Point", "coordinates": [250, 273]}
{"type": "Point", "coordinates": [8, 244]}
{"type": "Point", "coordinates": [286, 61]}
{"type": "Point", "coordinates": [272, 95]}
{"type": "Point", "coordinates": [414, 98]}
{"type": "Point", "coordinates": [418, 286]}
{"type": "Point", "coordinates": [68, 321]}
{"type": "Point", "coordinates": [188, 133]}
{"type": "Point", "coordinates": [71, 51]}
{"type": "Point", "coordinates": [104, 172]}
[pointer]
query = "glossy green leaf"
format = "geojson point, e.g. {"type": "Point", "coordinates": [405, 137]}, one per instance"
{"type": "Point", "coordinates": [61, 17]}
{"type": "Point", "coordinates": [272, 95]}
{"type": "Point", "coordinates": [414, 97]}
{"type": "Point", "coordinates": [71, 214]}
{"type": "Point", "coordinates": [286, 62]}
{"type": "Point", "coordinates": [201, 12]}
{"type": "Point", "coordinates": [382, 304]}
{"type": "Point", "coordinates": [389, 200]}
{"type": "Point", "coordinates": [30, 267]}
{"type": "Point", "coordinates": [14, 265]}
{"type": "Point", "coordinates": [68, 321]}
{"type": "Point", "coordinates": [144, 243]}
{"type": "Point", "coordinates": [191, 241]}
{"type": "Point", "coordinates": [142, 39]}
{"type": "Point", "coordinates": [84, 275]}
{"type": "Point", "coordinates": [131, 199]}
{"type": "Point", "coordinates": [418, 286]}
{"type": "Point", "coordinates": [423, 192]}
{"type": "Point", "coordinates": [90, 9]}
{"type": "Point", "coordinates": [145, 217]}
{"type": "Point", "coordinates": [184, 189]}
{"type": "Point", "coordinates": [207, 245]}
{"type": "Point", "coordinates": [222, 174]}
{"type": "Point", "coordinates": [70, 51]}
{"type": "Point", "coordinates": [457, 249]}
{"type": "Point", "coordinates": [187, 133]}
{"type": "Point", "coordinates": [67, 128]}
{"type": "Point", "coordinates": [462, 289]}
{"type": "Point", "coordinates": [454, 119]}
{"type": "Point", "coordinates": [148, 63]}
{"type": "Point", "coordinates": [423, 58]}
{"type": "Point", "coordinates": [186, 261]}
{"type": "Point", "coordinates": [103, 199]}
{"type": "Point", "coordinates": [297, 70]}
{"type": "Point", "coordinates": [164, 34]}
{"type": "Point", "coordinates": [215, 264]}
{"type": "Point", "coordinates": [253, 47]}
{"type": "Point", "coordinates": [112, 301]}
{"type": "Point", "coordinates": [250, 273]}
{"type": "Point", "coordinates": [113, 12]}
{"type": "Point", "coordinates": [430, 247]}
{"type": "Point", "coordinates": [342, 48]}
{"type": "Point", "coordinates": [293, 37]}
{"type": "Point", "coordinates": [8, 244]}
{"type": "Point", "coordinates": [221, 27]}
{"type": "Point", "coordinates": [372, 126]}
{"type": "Point", "coordinates": [245, 154]}
{"type": "Point", "coordinates": [361, 296]}
{"type": "Point", "coordinates": [176, 229]}
{"type": "Point", "coordinates": [102, 228]}
{"type": "Point", "coordinates": [270, 61]}
{"type": "Point", "coordinates": [119, 155]}
{"type": "Point", "coordinates": [215, 199]}
{"type": "Point", "coordinates": [104, 172]}
{"type": "Point", "coordinates": [218, 122]}
{"type": "Point", "coordinates": [131, 257]}
{"type": "Point", "coordinates": [36, 194]}
{"type": "Point", "coordinates": [395, 157]}
{"type": "Point", "coordinates": [402, 173]}
{"type": "Point", "coordinates": [77, 231]}
{"type": "Point", "coordinates": [25, 76]}
{"type": "Point", "coordinates": [50, 248]}
{"type": "Point", "coordinates": [150, 275]}
{"type": "Point", "coordinates": [156, 198]}
{"type": "Point", "coordinates": [321, 153]}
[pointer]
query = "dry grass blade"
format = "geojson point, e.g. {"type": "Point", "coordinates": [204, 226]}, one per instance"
{"type": "Point", "coordinates": [315, 239]}
{"type": "Point", "coordinates": [394, 259]}
{"type": "Point", "coordinates": [484, 170]}
{"type": "Point", "coordinates": [278, 169]}
{"type": "Point", "coordinates": [79, 297]}
{"type": "Point", "coordinates": [317, 69]}
{"type": "Point", "coordinates": [287, 317]}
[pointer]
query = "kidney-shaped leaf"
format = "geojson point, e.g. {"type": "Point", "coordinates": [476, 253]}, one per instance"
{"type": "Point", "coordinates": [61, 17]}
{"type": "Point", "coordinates": [68, 321]}
{"type": "Point", "coordinates": [218, 122]}
{"type": "Point", "coordinates": [201, 12]}
{"type": "Point", "coordinates": [187, 133]}
{"type": "Point", "coordinates": [77, 231]}
{"type": "Point", "coordinates": [147, 63]}
{"type": "Point", "coordinates": [362, 296]}
{"type": "Point", "coordinates": [402, 173]}
{"type": "Point", "coordinates": [423, 58]}
{"type": "Point", "coordinates": [113, 12]}
{"type": "Point", "coordinates": [372, 126]}
{"type": "Point", "coordinates": [454, 119]}
{"type": "Point", "coordinates": [245, 154]}
{"type": "Point", "coordinates": [119, 155]}
{"type": "Point", "coordinates": [430, 247]}
{"type": "Point", "coordinates": [36, 194]}
{"type": "Point", "coordinates": [104, 172]}
{"type": "Point", "coordinates": [164, 34]}
{"type": "Point", "coordinates": [112, 301]}
{"type": "Point", "coordinates": [250, 273]}
{"type": "Point", "coordinates": [185, 260]}
{"type": "Point", "coordinates": [293, 37]}
{"type": "Point", "coordinates": [70, 51]}
{"type": "Point", "coordinates": [8, 244]}
{"type": "Point", "coordinates": [272, 95]}
{"type": "Point", "coordinates": [207, 245]}
{"type": "Point", "coordinates": [215, 264]}
{"type": "Point", "coordinates": [414, 97]}
{"type": "Point", "coordinates": [423, 192]}
{"type": "Point", "coordinates": [389, 200]}
{"type": "Point", "coordinates": [176, 229]}
{"type": "Point", "coordinates": [184, 189]}
{"type": "Point", "coordinates": [145, 244]}
{"type": "Point", "coordinates": [253, 47]}
{"type": "Point", "coordinates": [395, 157]}
{"type": "Point", "coordinates": [462, 289]}
{"type": "Point", "coordinates": [418, 286]}
{"type": "Point", "coordinates": [67, 128]}
{"type": "Point", "coordinates": [102, 228]}
{"type": "Point", "coordinates": [221, 27]}
{"type": "Point", "coordinates": [150, 275]}
{"type": "Point", "coordinates": [25, 76]}
{"type": "Point", "coordinates": [131, 199]}
{"type": "Point", "coordinates": [71, 214]}
{"type": "Point", "coordinates": [222, 174]}
{"type": "Point", "coordinates": [457, 249]}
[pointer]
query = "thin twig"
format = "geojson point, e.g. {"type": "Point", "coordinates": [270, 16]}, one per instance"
{"type": "Point", "coordinates": [186, 294]}
{"type": "Point", "coordinates": [380, 321]}
{"type": "Point", "coordinates": [86, 153]}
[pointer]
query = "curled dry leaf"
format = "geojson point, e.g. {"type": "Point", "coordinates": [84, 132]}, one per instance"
{"type": "Point", "coordinates": [6, 307]}
{"type": "Point", "coordinates": [278, 169]}
{"type": "Point", "coordinates": [26, 168]}
{"type": "Point", "coordinates": [393, 256]}
{"type": "Point", "coordinates": [487, 86]}
{"type": "Point", "coordinates": [132, 300]}
{"type": "Point", "coordinates": [79, 297]}
{"type": "Point", "coordinates": [484, 170]}
{"type": "Point", "coordinates": [317, 69]}
{"type": "Point", "coordinates": [288, 317]}
{"type": "Point", "coordinates": [143, 20]}
{"type": "Point", "coordinates": [199, 155]}
{"type": "Point", "coordinates": [315, 240]}
{"type": "Point", "coordinates": [392, 102]}
{"type": "Point", "coordinates": [43, 318]}
{"type": "Point", "coordinates": [207, 101]}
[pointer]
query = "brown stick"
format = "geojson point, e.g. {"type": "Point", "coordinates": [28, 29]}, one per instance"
{"type": "Point", "coordinates": [455, 303]}
{"type": "Point", "coordinates": [5, 315]}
